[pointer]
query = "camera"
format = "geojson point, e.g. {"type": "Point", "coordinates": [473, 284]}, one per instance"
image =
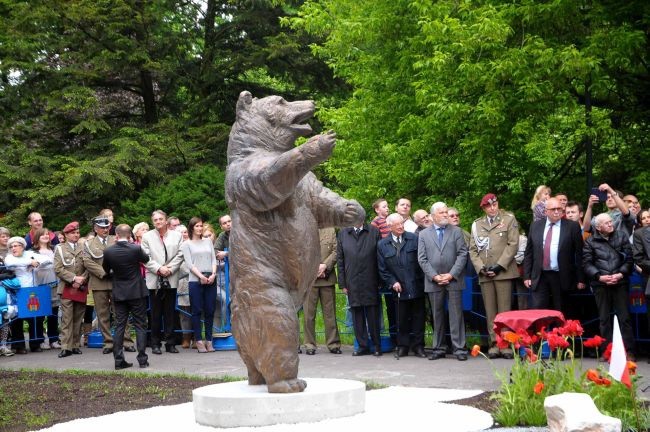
{"type": "Point", "coordinates": [602, 195]}
{"type": "Point", "coordinates": [163, 283]}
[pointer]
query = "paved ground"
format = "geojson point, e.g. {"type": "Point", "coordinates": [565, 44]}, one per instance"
{"type": "Point", "coordinates": [476, 373]}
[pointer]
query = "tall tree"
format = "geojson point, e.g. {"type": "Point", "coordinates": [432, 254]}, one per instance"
{"type": "Point", "coordinates": [101, 99]}
{"type": "Point", "coordinates": [452, 99]}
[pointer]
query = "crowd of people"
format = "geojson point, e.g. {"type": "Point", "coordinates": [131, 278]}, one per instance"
{"type": "Point", "coordinates": [403, 258]}
{"type": "Point", "coordinates": [568, 251]}
{"type": "Point", "coordinates": [158, 280]}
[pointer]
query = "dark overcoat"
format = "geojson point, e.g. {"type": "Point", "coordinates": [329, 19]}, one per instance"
{"type": "Point", "coordinates": [399, 263]}
{"type": "Point", "coordinates": [357, 265]}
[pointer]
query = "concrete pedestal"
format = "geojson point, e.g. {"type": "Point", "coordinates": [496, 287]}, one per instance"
{"type": "Point", "coordinates": [238, 404]}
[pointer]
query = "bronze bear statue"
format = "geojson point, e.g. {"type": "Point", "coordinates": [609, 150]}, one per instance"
{"type": "Point", "coordinates": [277, 206]}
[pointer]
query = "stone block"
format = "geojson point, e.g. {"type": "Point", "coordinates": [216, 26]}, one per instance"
{"type": "Point", "coordinates": [576, 412]}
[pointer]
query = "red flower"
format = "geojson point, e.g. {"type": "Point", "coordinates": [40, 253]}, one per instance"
{"type": "Point", "coordinates": [571, 328]}
{"type": "Point", "coordinates": [594, 342]}
{"type": "Point", "coordinates": [555, 341]}
{"type": "Point", "coordinates": [607, 355]}
{"type": "Point", "coordinates": [476, 350]}
{"type": "Point", "coordinates": [511, 337]}
{"type": "Point", "coordinates": [594, 376]}
{"type": "Point", "coordinates": [502, 343]}
{"type": "Point", "coordinates": [631, 367]}
{"type": "Point", "coordinates": [526, 339]}
{"type": "Point", "coordinates": [538, 387]}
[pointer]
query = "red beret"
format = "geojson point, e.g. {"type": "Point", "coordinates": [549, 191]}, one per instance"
{"type": "Point", "coordinates": [488, 199]}
{"type": "Point", "coordinates": [72, 226]}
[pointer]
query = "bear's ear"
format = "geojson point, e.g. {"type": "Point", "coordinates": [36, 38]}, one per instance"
{"type": "Point", "coordinates": [245, 100]}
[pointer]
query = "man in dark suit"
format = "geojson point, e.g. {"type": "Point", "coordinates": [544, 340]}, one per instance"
{"type": "Point", "coordinates": [442, 254]}
{"type": "Point", "coordinates": [122, 262]}
{"type": "Point", "coordinates": [356, 261]}
{"type": "Point", "coordinates": [399, 269]}
{"type": "Point", "coordinates": [553, 257]}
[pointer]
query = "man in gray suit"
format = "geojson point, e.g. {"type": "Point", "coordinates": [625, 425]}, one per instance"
{"type": "Point", "coordinates": [164, 248]}
{"type": "Point", "coordinates": [442, 254]}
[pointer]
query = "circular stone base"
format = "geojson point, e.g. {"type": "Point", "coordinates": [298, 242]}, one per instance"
{"type": "Point", "coordinates": [238, 404]}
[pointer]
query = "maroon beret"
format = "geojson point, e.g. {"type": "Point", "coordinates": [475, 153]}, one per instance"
{"type": "Point", "coordinates": [72, 226]}
{"type": "Point", "coordinates": [488, 199]}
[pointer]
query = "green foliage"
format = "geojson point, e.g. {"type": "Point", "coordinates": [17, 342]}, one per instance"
{"type": "Point", "coordinates": [454, 99]}
{"type": "Point", "coordinates": [197, 192]}
{"type": "Point", "coordinates": [101, 99]}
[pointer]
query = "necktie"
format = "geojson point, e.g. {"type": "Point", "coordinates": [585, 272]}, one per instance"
{"type": "Point", "coordinates": [440, 233]}
{"type": "Point", "coordinates": [546, 263]}
{"type": "Point", "coordinates": [104, 242]}
{"type": "Point", "coordinates": [490, 220]}
{"type": "Point", "coordinates": [399, 240]}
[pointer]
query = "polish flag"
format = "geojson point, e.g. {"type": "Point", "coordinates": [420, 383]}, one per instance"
{"type": "Point", "coordinates": [618, 361]}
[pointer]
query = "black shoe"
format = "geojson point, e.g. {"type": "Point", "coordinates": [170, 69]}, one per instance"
{"type": "Point", "coordinates": [170, 349]}
{"type": "Point", "coordinates": [21, 351]}
{"type": "Point", "coordinates": [419, 352]}
{"type": "Point", "coordinates": [156, 350]}
{"type": "Point", "coordinates": [299, 350]}
{"type": "Point", "coordinates": [461, 357]}
{"type": "Point", "coordinates": [336, 351]}
{"type": "Point", "coordinates": [107, 350]}
{"type": "Point", "coordinates": [310, 351]}
{"type": "Point", "coordinates": [37, 349]}
{"type": "Point", "coordinates": [65, 353]}
{"type": "Point", "coordinates": [361, 352]}
{"type": "Point", "coordinates": [436, 355]}
{"type": "Point", "coordinates": [377, 354]}
{"type": "Point", "coordinates": [123, 365]}
{"type": "Point", "coordinates": [403, 352]}
{"type": "Point", "coordinates": [144, 365]}
{"type": "Point", "coordinates": [76, 351]}
{"type": "Point", "coordinates": [129, 348]}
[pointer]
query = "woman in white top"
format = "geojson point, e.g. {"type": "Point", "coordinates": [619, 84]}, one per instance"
{"type": "Point", "coordinates": [24, 265]}
{"type": "Point", "coordinates": [45, 275]}
{"type": "Point", "coordinates": [198, 253]}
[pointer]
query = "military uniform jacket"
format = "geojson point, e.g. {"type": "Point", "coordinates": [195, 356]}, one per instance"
{"type": "Point", "coordinates": [93, 256]}
{"type": "Point", "coordinates": [68, 263]}
{"type": "Point", "coordinates": [327, 256]}
{"type": "Point", "coordinates": [495, 244]}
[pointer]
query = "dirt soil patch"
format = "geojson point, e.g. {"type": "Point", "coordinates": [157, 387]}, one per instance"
{"type": "Point", "coordinates": [38, 399]}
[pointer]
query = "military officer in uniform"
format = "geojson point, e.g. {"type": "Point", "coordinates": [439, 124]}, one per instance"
{"type": "Point", "coordinates": [99, 283]}
{"type": "Point", "coordinates": [73, 279]}
{"type": "Point", "coordinates": [494, 243]}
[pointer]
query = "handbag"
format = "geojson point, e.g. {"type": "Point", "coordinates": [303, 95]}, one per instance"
{"type": "Point", "coordinates": [76, 295]}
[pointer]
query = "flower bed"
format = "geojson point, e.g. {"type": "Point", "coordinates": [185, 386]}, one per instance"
{"type": "Point", "coordinates": [532, 378]}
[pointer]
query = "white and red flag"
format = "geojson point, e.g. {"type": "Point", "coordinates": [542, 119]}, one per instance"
{"type": "Point", "coordinates": [618, 361]}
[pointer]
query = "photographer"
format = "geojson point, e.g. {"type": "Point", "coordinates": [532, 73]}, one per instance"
{"type": "Point", "coordinates": [622, 217]}
{"type": "Point", "coordinates": [164, 248]}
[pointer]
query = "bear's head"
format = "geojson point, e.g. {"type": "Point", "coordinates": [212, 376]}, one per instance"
{"type": "Point", "coordinates": [270, 124]}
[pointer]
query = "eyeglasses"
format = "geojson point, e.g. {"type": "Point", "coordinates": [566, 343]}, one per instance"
{"type": "Point", "coordinates": [555, 209]}
{"type": "Point", "coordinates": [631, 202]}
{"type": "Point", "coordinates": [454, 215]}
{"type": "Point", "coordinates": [15, 245]}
